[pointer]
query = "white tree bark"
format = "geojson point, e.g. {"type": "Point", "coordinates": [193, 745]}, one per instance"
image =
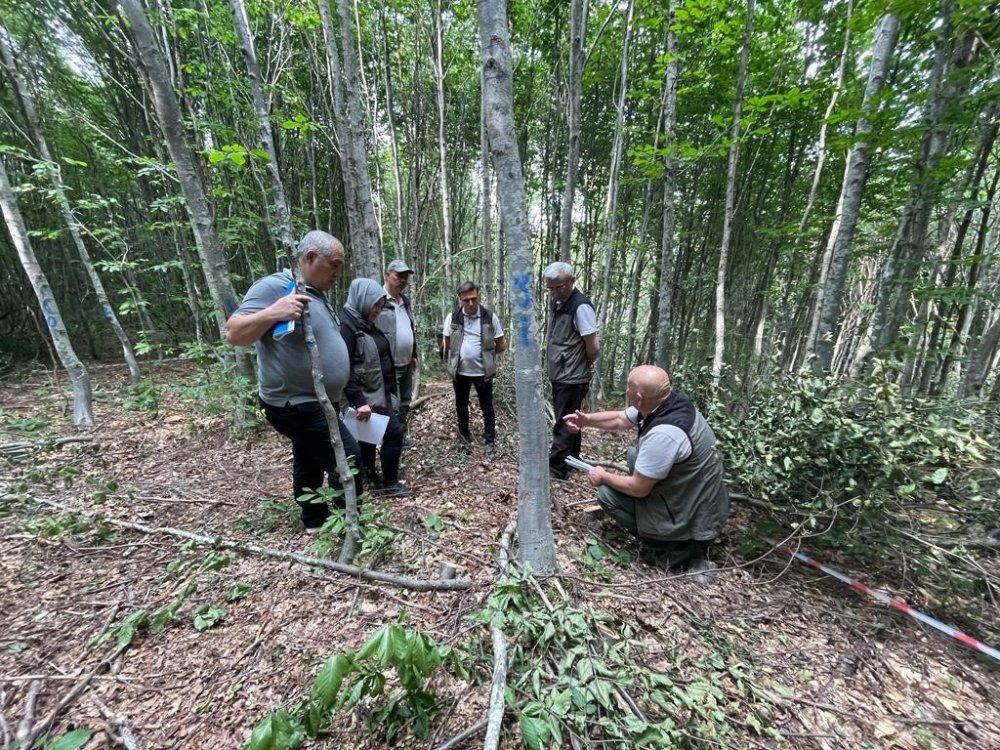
{"type": "Point", "coordinates": [901, 264]}
{"type": "Point", "coordinates": [727, 221]}
{"type": "Point", "coordinates": [533, 512]}
{"type": "Point", "coordinates": [366, 251]}
{"type": "Point", "coordinates": [83, 414]}
{"type": "Point", "coordinates": [35, 126]}
{"type": "Point", "coordinates": [828, 300]}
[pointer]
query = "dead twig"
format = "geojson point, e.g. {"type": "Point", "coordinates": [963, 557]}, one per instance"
{"type": "Point", "coordinates": [125, 735]}
{"type": "Point", "coordinates": [27, 721]}
{"type": "Point", "coordinates": [72, 696]}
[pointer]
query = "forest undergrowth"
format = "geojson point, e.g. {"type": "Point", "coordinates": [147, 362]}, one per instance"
{"type": "Point", "coordinates": [185, 644]}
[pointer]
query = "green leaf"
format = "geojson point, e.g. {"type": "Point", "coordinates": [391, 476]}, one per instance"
{"type": "Point", "coordinates": [239, 591]}
{"type": "Point", "coordinates": [939, 476]}
{"type": "Point", "coordinates": [72, 740]}
{"type": "Point", "coordinates": [534, 731]}
{"type": "Point", "coordinates": [207, 616]}
{"type": "Point", "coordinates": [331, 676]}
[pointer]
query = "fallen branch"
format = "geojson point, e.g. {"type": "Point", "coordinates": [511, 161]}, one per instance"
{"type": "Point", "coordinates": [414, 584]}
{"type": "Point", "coordinates": [494, 719]}
{"type": "Point", "coordinates": [23, 446]}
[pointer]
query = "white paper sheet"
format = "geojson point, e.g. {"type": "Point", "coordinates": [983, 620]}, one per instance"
{"type": "Point", "coordinates": [371, 431]}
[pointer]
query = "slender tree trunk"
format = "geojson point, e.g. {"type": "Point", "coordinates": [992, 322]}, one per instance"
{"type": "Point", "coordinates": [438, 22]}
{"type": "Point", "coordinates": [727, 221]}
{"type": "Point", "coordinates": [83, 414]}
{"type": "Point", "coordinates": [168, 114]}
{"type": "Point", "coordinates": [666, 297]}
{"type": "Point", "coordinates": [282, 213]}
{"type": "Point", "coordinates": [611, 201]}
{"type": "Point", "coordinates": [38, 134]}
{"type": "Point", "coordinates": [909, 245]}
{"type": "Point", "coordinates": [577, 33]}
{"type": "Point", "coordinates": [493, 265]}
{"type": "Point", "coordinates": [817, 173]}
{"type": "Point", "coordinates": [852, 189]}
{"type": "Point", "coordinates": [534, 513]}
{"type": "Point", "coordinates": [366, 255]}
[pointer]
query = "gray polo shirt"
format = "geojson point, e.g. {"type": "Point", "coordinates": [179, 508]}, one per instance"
{"type": "Point", "coordinates": [283, 370]}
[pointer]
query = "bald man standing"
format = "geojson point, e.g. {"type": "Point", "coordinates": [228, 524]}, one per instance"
{"type": "Point", "coordinates": [674, 499]}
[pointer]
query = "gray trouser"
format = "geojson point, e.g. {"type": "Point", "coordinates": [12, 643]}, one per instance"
{"type": "Point", "coordinates": [618, 505]}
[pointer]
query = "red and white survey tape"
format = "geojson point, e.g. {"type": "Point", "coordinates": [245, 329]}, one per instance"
{"type": "Point", "coordinates": [883, 598]}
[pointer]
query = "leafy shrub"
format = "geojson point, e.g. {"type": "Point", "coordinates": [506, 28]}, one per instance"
{"type": "Point", "coordinates": [820, 443]}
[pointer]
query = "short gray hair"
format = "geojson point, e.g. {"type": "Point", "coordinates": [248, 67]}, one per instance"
{"type": "Point", "coordinates": [318, 240]}
{"type": "Point", "coordinates": [557, 269]}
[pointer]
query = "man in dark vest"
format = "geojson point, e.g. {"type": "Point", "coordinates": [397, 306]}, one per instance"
{"type": "Point", "coordinates": [674, 499]}
{"type": "Point", "coordinates": [570, 352]}
{"type": "Point", "coordinates": [473, 337]}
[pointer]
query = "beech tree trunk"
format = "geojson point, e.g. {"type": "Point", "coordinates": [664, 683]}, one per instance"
{"type": "Point", "coordinates": [446, 249]}
{"type": "Point", "coordinates": [828, 302]}
{"type": "Point", "coordinates": [666, 288]}
{"type": "Point", "coordinates": [83, 414]}
{"type": "Point", "coordinates": [534, 510]}
{"type": "Point", "coordinates": [577, 33]}
{"type": "Point", "coordinates": [727, 221]}
{"type": "Point", "coordinates": [611, 201]}
{"type": "Point", "coordinates": [366, 253]}
{"type": "Point", "coordinates": [909, 245]}
{"type": "Point", "coordinates": [168, 115]}
{"type": "Point", "coordinates": [282, 213]}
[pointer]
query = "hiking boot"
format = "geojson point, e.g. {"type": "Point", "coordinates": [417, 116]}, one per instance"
{"type": "Point", "coordinates": [464, 438]}
{"type": "Point", "coordinates": [407, 443]}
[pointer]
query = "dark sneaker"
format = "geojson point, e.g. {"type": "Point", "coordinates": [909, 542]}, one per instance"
{"type": "Point", "coordinates": [560, 475]}
{"type": "Point", "coordinates": [464, 437]}
{"type": "Point", "coordinates": [407, 443]}
{"type": "Point", "coordinates": [490, 450]}
{"type": "Point", "coordinates": [395, 490]}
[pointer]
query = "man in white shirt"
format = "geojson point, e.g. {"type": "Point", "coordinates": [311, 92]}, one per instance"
{"type": "Point", "coordinates": [472, 337]}
{"type": "Point", "coordinates": [674, 499]}
{"type": "Point", "coordinates": [396, 321]}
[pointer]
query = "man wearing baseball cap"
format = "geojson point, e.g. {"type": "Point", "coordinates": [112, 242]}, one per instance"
{"type": "Point", "coordinates": [397, 323]}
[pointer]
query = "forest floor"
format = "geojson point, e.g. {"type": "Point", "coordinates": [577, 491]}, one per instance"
{"type": "Point", "coordinates": [828, 668]}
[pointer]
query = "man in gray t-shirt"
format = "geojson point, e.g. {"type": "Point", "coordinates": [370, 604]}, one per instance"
{"type": "Point", "coordinates": [269, 317]}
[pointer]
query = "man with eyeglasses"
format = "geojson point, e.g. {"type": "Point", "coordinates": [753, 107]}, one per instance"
{"type": "Point", "coordinates": [396, 321]}
{"type": "Point", "coordinates": [284, 372]}
{"type": "Point", "coordinates": [473, 337]}
{"type": "Point", "coordinates": [570, 352]}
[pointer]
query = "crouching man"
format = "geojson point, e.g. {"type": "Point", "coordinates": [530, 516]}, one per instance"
{"type": "Point", "coordinates": [674, 500]}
